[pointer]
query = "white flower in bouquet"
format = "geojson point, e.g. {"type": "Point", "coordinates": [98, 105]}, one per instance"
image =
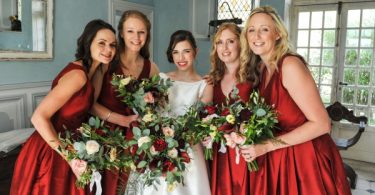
{"type": "Point", "coordinates": [125, 81]}
{"type": "Point", "coordinates": [113, 154]}
{"type": "Point", "coordinates": [168, 132]}
{"type": "Point", "coordinates": [153, 151]}
{"type": "Point", "coordinates": [143, 140]}
{"type": "Point", "coordinates": [148, 117]}
{"type": "Point", "coordinates": [132, 166]}
{"type": "Point", "coordinates": [209, 118]}
{"type": "Point", "coordinates": [173, 153]}
{"type": "Point", "coordinates": [92, 147]}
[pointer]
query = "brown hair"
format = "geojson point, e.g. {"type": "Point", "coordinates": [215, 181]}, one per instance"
{"type": "Point", "coordinates": [145, 51]}
{"type": "Point", "coordinates": [217, 66]}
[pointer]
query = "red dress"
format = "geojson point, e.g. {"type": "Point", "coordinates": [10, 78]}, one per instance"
{"type": "Point", "coordinates": [314, 167]}
{"type": "Point", "coordinates": [41, 170]}
{"type": "Point", "coordinates": [112, 179]}
{"type": "Point", "coordinates": [227, 177]}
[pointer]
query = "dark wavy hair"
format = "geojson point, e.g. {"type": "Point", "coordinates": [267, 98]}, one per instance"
{"type": "Point", "coordinates": [178, 36]}
{"type": "Point", "coordinates": [145, 51]}
{"type": "Point", "coordinates": [84, 41]}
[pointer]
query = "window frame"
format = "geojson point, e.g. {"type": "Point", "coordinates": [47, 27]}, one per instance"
{"type": "Point", "coordinates": [340, 48]}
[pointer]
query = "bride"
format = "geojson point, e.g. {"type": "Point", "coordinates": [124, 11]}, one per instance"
{"type": "Point", "coordinates": [188, 87]}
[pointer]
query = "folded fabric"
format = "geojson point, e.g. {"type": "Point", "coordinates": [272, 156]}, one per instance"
{"type": "Point", "coordinates": [11, 139]}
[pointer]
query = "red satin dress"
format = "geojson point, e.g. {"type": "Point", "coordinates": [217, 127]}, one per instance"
{"type": "Point", "coordinates": [314, 167]}
{"type": "Point", "coordinates": [227, 177]}
{"type": "Point", "coordinates": [41, 170]}
{"type": "Point", "coordinates": [113, 179]}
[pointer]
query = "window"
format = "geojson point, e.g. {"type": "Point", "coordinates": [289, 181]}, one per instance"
{"type": "Point", "coordinates": [229, 9]}
{"type": "Point", "coordinates": [39, 25]}
{"type": "Point", "coordinates": [338, 42]}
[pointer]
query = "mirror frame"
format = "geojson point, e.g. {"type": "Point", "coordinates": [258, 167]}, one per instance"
{"type": "Point", "coordinates": [35, 55]}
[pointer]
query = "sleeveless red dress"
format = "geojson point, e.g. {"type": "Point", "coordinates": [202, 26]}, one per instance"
{"type": "Point", "coordinates": [227, 177]}
{"type": "Point", "coordinates": [41, 170]}
{"type": "Point", "coordinates": [112, 179]}
{"type": "Point", "coordinates": [314, 167]}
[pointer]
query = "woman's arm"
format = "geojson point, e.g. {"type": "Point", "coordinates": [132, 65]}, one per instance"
{"type": "Point", "coordinates": [299, 83]}
{"type": "Point", "coordinates": [101, 111]}
{"type": "Point", "coordinates": [154, 69]}
{"type": "Point", "coordinates": [207, 95]}
{"type": "Point", "coordinates": [67, 86]}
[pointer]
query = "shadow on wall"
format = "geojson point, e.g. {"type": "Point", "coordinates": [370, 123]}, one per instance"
{"type": "Point", "coordinates": [6, 124]}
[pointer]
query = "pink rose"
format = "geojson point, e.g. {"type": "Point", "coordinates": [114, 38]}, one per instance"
{"type": "Point", "coordinates": [168, 132]}
{"type": "Point", "coordinates": [149, 98]}
{"type": "Point", "coordinates": [237, 138]}
{"type": "Point", "coordinates": [229, 141]}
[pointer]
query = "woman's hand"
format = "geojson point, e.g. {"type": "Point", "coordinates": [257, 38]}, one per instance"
{"type": "Point", "coordinates": [122, 120]}
{"type": "Point", "coordinates": [207, 142]}
{"type": "Point", "coordinates": [208, 79]}
{"type": "Point", "coordinates": [78, 167]}
{"type": "Point", "coordinates": [251, 152]}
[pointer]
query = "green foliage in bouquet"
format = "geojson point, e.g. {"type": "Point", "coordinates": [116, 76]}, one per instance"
{"type": "Point", "coordinates": [261, 124]}
{"type": "Point", "coordinates": [161, 150]}
{"type": "Point", "coordinates": [233, 124]}
{"type": "Point", "coordinates": [149, 94]}
{"type": "Point", "coordinates": [100, 147]}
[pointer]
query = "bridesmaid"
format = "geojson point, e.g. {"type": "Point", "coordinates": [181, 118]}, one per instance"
{"type": "Point", "coordinates": [40, 168]}
{"type": "Point", "coordinates": [227, 177]}
{"type": "Point", "coordinates": [308, 162]}
{"type": "Point", "coordinates": [134, 40]}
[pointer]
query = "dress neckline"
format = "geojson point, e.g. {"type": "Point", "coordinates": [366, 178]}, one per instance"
{"type": "Point", "coordinates": [265, 85]}
{"type": "Point", "coordinates": [222, 92]}
{"type": "Point", "coordinates": [182, 82]}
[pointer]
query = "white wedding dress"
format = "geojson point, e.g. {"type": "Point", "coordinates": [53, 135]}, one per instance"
{"type": "Point", "coordinates": [181, 96]}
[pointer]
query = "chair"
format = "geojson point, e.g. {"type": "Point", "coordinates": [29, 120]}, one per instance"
{"type": "Point", "coordinates": [337, 112]}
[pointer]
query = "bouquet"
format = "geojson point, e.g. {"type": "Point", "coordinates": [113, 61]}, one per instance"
{"type": "Point", "coordinates": [159, 145]}
{"type": "Point", "coordinates": [99, 147]}
{"type": "Point", "coordinates": [256, 129]}
{"type": "Point", "coordinates": [161, 149]}
{"type": "Point", "coordinates": [233, 124]}
{"type": "Point", "coordinates": [145, 96]}
{"type": "Point", "coordinates": [206, 120]}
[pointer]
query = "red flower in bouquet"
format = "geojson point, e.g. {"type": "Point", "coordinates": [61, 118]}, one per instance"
{"type": "Point", "coordinates": [185, 156]}
{"type": "Point", "coordinates": [210, 109]}
{"type": "Point", "coordinates": [100, 132]}
{"type": "Point", "coordinates": [225, 112]}
{"type": "Point", "coordinates": [226, 127]}
{"type": "Point", "coordinates": [168, 166]}
{"type": "Point", "coordinates": [245, 114]}
{"type": "Point", "coordinates": [160, 145]}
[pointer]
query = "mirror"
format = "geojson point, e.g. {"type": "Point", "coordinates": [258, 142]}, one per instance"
{"type": "Point", "coordinates": [26, 29]}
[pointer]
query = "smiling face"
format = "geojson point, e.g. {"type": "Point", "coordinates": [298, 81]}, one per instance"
{"type": "Point", "coordinates": [103, 46]}
{"type": "Point", "coordinates": [183, 55]}
{"type": "Point", "coordinates": [134, 34]}
{"type": "Point", "coordinates": [228, 47]}
{"type": "Point", "coordinates": [261, 35]}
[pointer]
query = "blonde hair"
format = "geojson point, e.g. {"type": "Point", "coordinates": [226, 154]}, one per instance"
{"type": "Point", "coordinates": [251, 60]}
{"type": "Point", "coordinates": [217, 66]}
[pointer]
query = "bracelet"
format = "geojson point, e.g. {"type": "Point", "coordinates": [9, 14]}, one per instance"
{"type": "Point", "coordinates": [108, 115]}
